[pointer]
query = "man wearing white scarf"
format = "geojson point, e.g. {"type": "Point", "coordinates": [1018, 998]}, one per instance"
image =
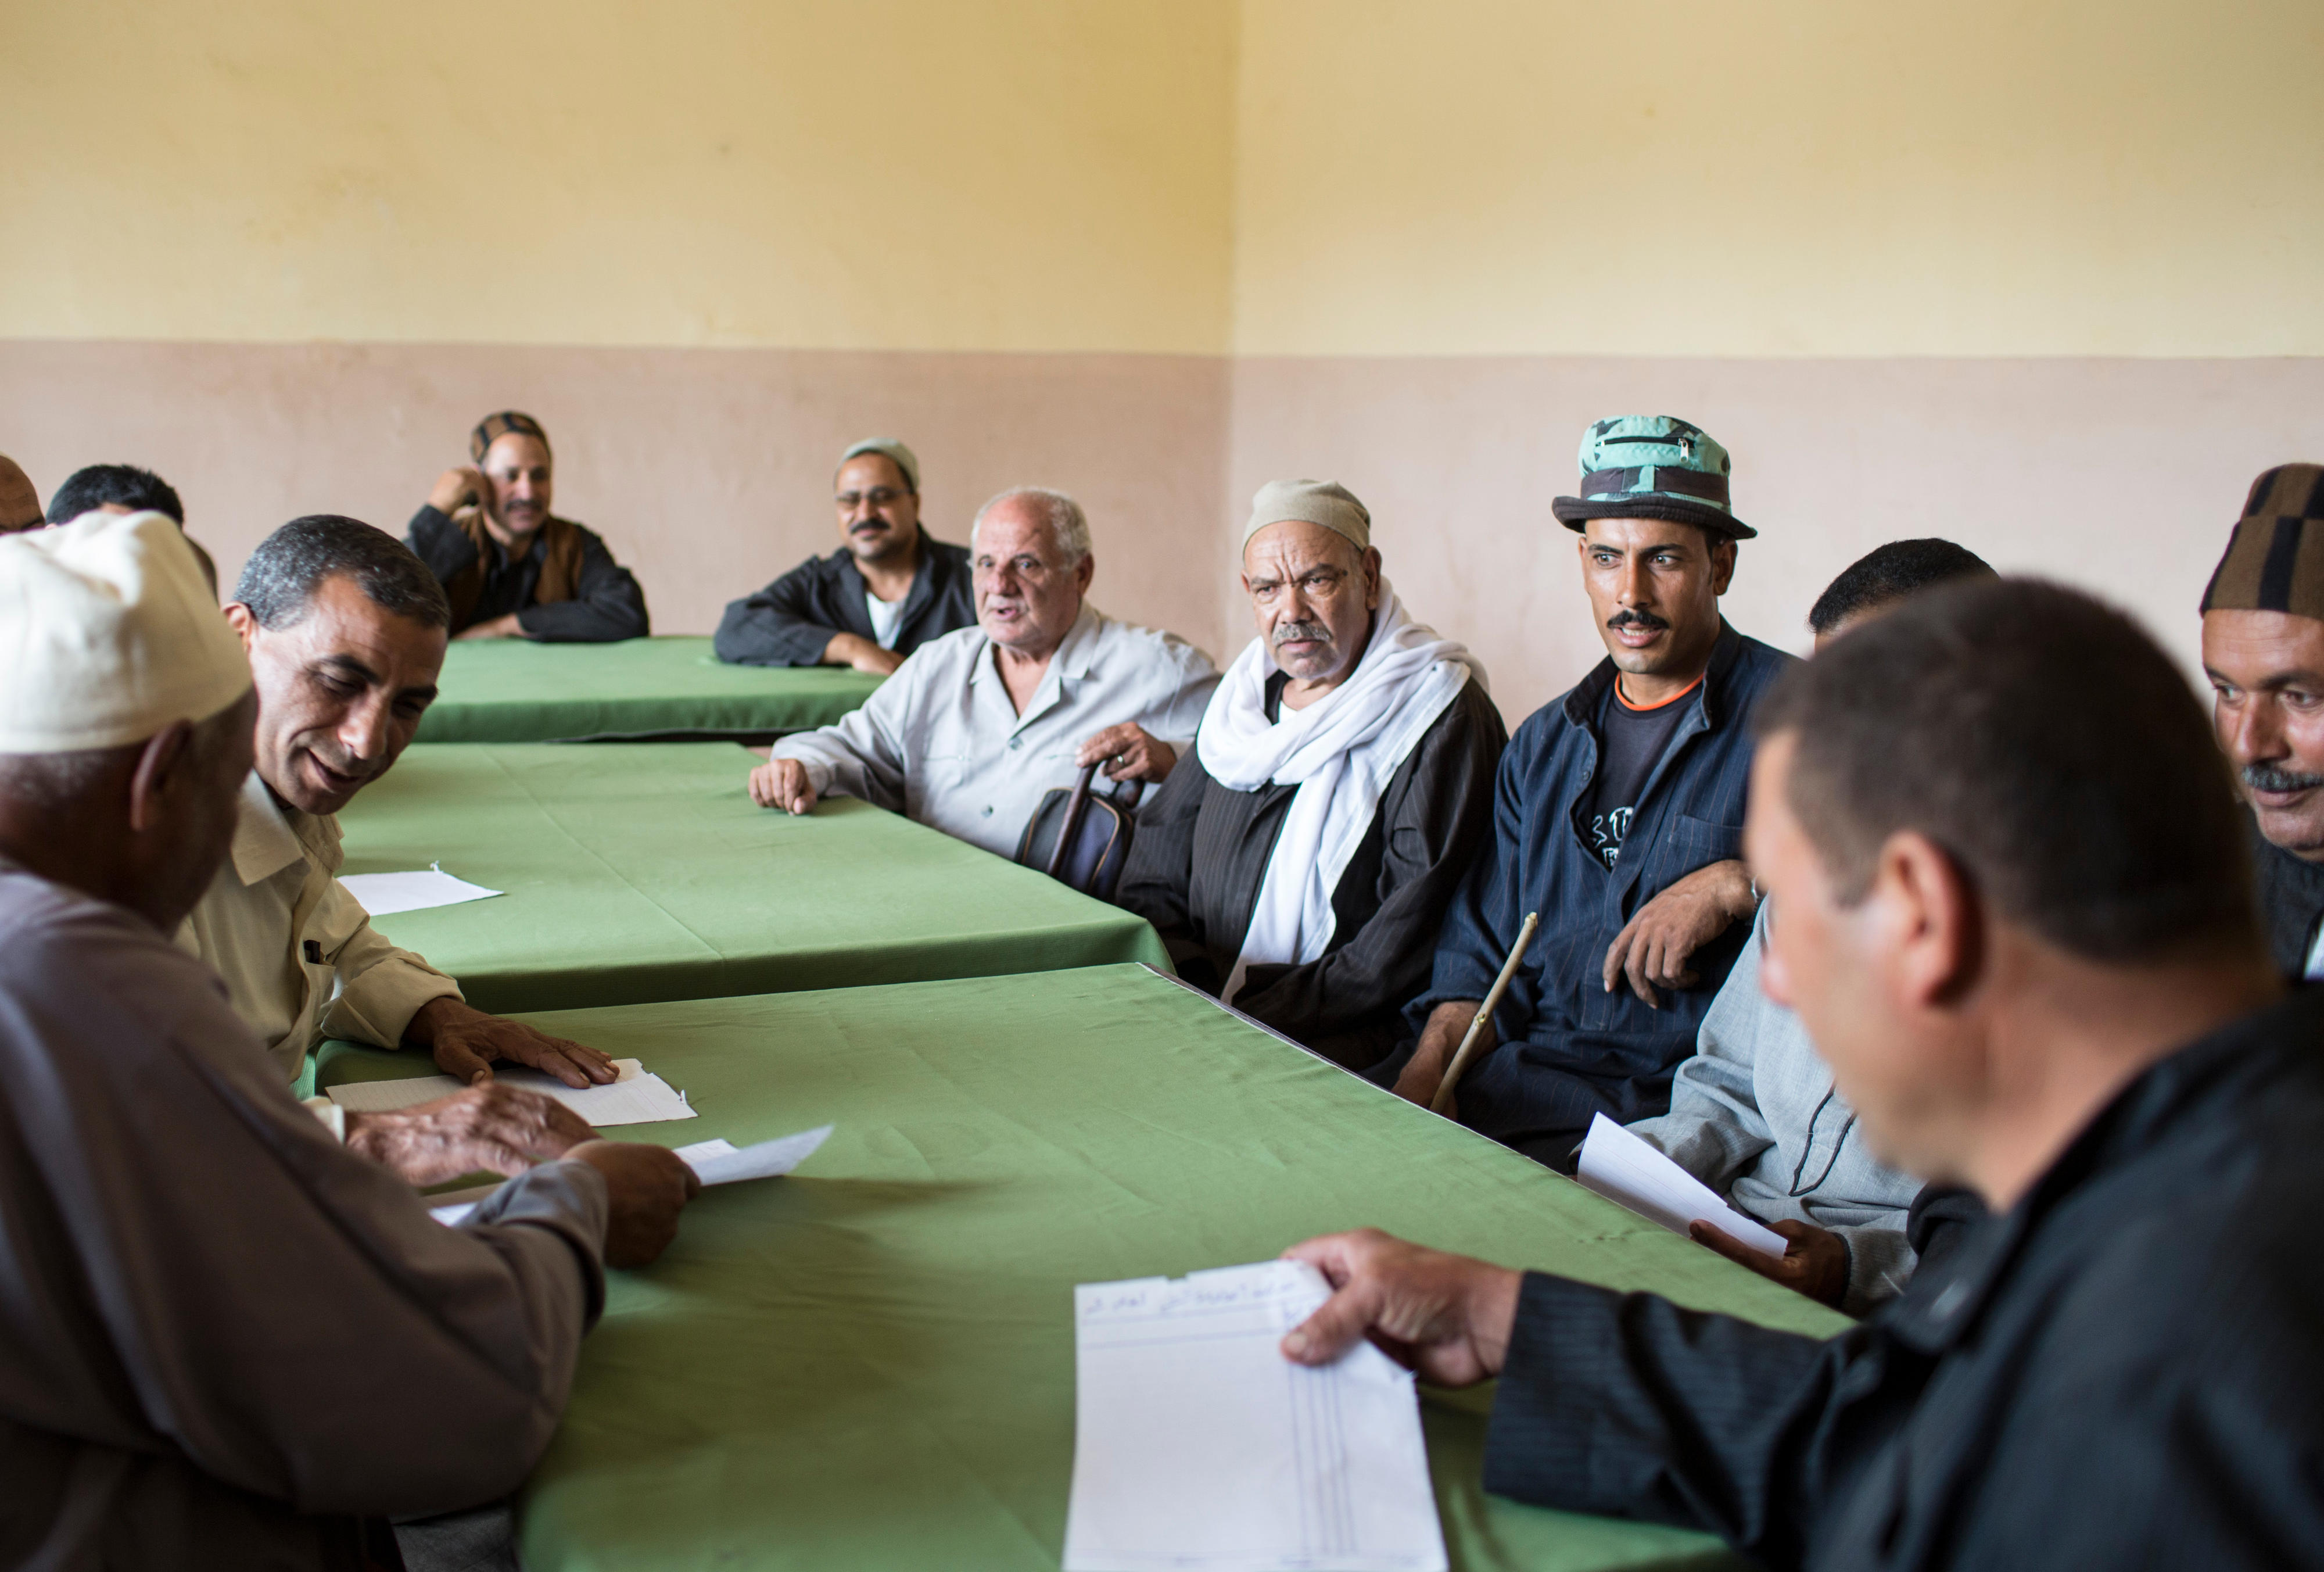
{"type": "Point", "coordinates": [1298, 860]}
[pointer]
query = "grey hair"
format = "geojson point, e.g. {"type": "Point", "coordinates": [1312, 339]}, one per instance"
{"type": "Point", "coordinates": [283, 573]}
{"type": "Point", "coordinates": [1068, 525]}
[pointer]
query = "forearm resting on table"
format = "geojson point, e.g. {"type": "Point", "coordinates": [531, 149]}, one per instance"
{"type": "Point", "coordinates": [1431, 1057]}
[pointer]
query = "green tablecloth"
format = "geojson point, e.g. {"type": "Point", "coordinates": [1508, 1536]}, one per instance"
{"type": "Point", "coordinates": [513, 690]}
{"type": "Point", "coordinates": [641, 871]}
{"type": "Point", "coordinates": [871, 1363]}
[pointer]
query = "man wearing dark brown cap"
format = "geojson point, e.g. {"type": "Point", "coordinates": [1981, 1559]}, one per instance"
{"type": "Point", "coordinates": [2263, 651]}
{"type": "Point", "coordinates": [511, 569]}
{"type": "Point", "coordinates": [19, 503]}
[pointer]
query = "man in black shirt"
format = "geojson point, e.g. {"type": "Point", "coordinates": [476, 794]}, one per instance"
{"type": "Point", "coordinates": [890, 589]}
{"type": "Point", "coordinates": [2022, 934]}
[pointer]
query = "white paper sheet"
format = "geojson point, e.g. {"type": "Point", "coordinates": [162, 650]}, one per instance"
{"type": "Point", "coordinates": [384, 894]}
{"type": "Point", "coordinates": [713, 1162]}
{"type": "Point", "coordinates": [1621, 1167]}
{"type": "Point", "coordinates": [639, 1098]}
{"type": "Point", "coordinates": [1196, 1445]}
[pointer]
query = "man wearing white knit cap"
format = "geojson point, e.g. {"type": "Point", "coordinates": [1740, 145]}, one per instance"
{"type": "Point", "coordinates": [1297, 862]}
{"type": "Point", "coordinates": [224, 1340]}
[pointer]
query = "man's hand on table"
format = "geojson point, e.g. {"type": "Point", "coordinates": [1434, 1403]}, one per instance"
{"type": "Point", "coordinates": [1447, 1318]}
{"type": "Point", "coordinates": [863, 654]}
{"type": "Point", "coordinates": [646, 1187]}
{"type": "Point", "coordinates": [1815, 1260]}
{"type": "Point", "coordinates": [499, 628]}
{"type": "Point", "coordinates": [1131, 753]}
{"type": "Point", "coordinates": [465, 1041]}
{"type": "Point", "coordinates": [1439, 1041]}
{"type": "Point", "coordinates": [783, 783]}
{"type": "Point", "coordinates": [487, 1129]}
{"type": "Point", "coordinates": [1653, 950]}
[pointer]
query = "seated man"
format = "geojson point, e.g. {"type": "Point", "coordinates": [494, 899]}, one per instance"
{"type": "Point", "coordinates": [344, 631]}
{"type": "Point", "coordinates": [1753, 1114]}
{"type": "Point", "coordinates": [1298, 861]}
{"type": "Point", "coordinates": [124, 488]}
{"type": "Point", "coordinates": [224, 1342]}
{"type": "Point", "coordinates": [2022, 932]}
{"type": "Point", "coordinates": [20, 500]}
{"type": "Point", "coordinates": [1618, 816]}
{"type": "Point", "coordinates": [976, 725]}
{"type": "Point", "coordinates": [511, 569]}
{"type": "Point", "coordinates": [888, 588]}
{"type": "Point", "coordinates": [2263, 651]}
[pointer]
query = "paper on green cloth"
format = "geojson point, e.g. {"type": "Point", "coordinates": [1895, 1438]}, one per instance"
{"type": "Point", "coordinates": [642, 871]}
{"type": "Point", "coordinates": [870, 1364]}
{"type": "Point", "coordinates": [515, 691]}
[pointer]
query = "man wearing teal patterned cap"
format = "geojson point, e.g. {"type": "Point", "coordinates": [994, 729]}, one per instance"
{"type": "Point", "coordinates": [1620, 820]}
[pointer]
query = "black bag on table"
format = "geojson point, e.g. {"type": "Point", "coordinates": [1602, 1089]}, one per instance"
{"type": "Point", "coordinates": [1081, 837]}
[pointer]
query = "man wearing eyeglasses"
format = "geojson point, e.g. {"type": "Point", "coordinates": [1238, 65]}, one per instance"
{"type": "Point", "coordinates": [890, 589]}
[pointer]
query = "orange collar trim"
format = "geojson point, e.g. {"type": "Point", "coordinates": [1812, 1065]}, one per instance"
{"type": "Point", "coordinates": [1624, 698]}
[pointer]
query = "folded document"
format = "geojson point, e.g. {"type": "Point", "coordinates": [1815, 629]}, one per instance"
{"type": "Point", "coordinates": [638, 1097]}
{"type": "Point", "coordinates": [713, 1162]}
{"type": "Point", "coordinates": [384, 894]}
{"type": "Point", "coordinates": [1196, 1445]}
{"type": "Point", "coordinates": [1624, 1168]}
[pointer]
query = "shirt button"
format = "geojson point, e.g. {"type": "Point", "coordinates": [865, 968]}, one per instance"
{"type": "Point", "coordinates": [1013, 743]}
{"type": "Point", "coordinates": [988, 810]}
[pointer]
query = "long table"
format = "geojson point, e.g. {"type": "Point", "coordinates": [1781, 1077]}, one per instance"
{"type": "Point", "coordinates": [869, 1364]}
{"type": "Point", "coordinates": [515, 691]}
{"type": "Point", "coordinates": [636, 871]}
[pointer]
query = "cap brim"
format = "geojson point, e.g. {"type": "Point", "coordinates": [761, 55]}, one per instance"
{"type": "Point", "coordinates": [1573, 511]}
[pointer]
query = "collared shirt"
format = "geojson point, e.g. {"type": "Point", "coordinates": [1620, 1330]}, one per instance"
{"type": "Point", "coordinates": [2124, 1370]}
{"type": "Point", "coordinates": [940, 743]}
{"type": "Point", "coordinates": [607, 606]}
{"type": "Point", "coordinates": [1569, 1048]}
{"type": "Point", "coordinates": [789, 622]}
{"type": "Point", "coordinates": [221, 1335]}
{"type": "Point", "coordinates": [1755, 1115]}
{"type": "Point", "coordinates": [300, 960]}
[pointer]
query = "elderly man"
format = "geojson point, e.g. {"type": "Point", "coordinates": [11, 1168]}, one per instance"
{"type": "Point", "coordinates": [976, 725]}
{"type": "Point", "coordinates": [1298, 861]}
{"type": "Point", "coordinates": [2022, 932]}
{"type": "Point", "coordinates": [19, 501]}
{"type": "Point", "coordinates": [890, 589]}
{"type": "Point", "coordinates": [124, 488]}
{"type": "Point", "coordinates": [1618, 818]}
{"type": "Point", "coordinates": [1754, 1115]}
{"type": "Point", "coordinates": [512, 569]}
{"type": "Point", "coordinates": [224, 1341]}
{"type": "Point", "coordinates": [344, 631]}
{"type": "Point", "coordinates": [2263, 651]}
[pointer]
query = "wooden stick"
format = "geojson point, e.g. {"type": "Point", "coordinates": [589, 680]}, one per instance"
{"type": "Point", "coordinates": [1442, 1102]}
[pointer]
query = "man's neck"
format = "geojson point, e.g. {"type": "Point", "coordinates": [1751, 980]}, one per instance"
{"type": "Point", "coordinates": [890, 578]}
{"type": "Point", "coordinates": [513, 545]}
{"type": "Point", "coordinates": [1021, 672]}
{"type": "Point", "coordinates": [62, 855]}
{"type": "Point", "coordinates": [1646, 689]}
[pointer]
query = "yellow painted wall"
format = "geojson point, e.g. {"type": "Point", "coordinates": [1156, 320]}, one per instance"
{"type": "Point", "coordinates": [923, 174]}
{"type": "Point", "coordinates": [1781, 177]}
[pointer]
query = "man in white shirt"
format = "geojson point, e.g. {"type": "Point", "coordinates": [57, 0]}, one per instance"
{"type": "Point", "coordinates": [975, 727]}
{"type": "Point", "coordinates": [346, 631]}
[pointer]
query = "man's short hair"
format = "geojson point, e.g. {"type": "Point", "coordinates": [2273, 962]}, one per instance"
{"type": "Point", "coordinates": [1889, 573]}
{"type": "Point", "coordinates": [2046, 744]}
{"type": "Point", "coordinates": [282, 576]}
{"type": "Point", "coordinates": [1068, 525]}
{"type": "Point", "coordinates": [123, 485]}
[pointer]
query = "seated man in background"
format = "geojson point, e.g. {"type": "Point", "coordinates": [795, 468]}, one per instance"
{"type": "Point", "coordinates": [20, 500]}
{"type": "Point", "coordinates": [2021, 930]}
{"type": "Point", "coordinates": [1752, 1115]}
{"type": "Point", "coordinates": [124, 488]}
{"type": "Point", "coordinates": [344, 631]}
{"type": "Point", "coordinates": [976, 725]}
{"type": "Point", "coordinates": [509, 566]}
{"type": "Point", "coordinates": [1297, 862]}
{"type": "Point", "coordinates": [888, 589]}
{"type": "Point", "coordinates": [1618, 816]}
{"type": "Point", "coordinates": [2263, 651]}
{"type": "Point", "coordinates": [224, 1341]}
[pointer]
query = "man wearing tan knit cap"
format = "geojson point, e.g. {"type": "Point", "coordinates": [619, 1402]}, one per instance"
{"type": "Point", "coordinates": [2264, 653]}
{"type": "Point", "coordinates": [212, 1317]}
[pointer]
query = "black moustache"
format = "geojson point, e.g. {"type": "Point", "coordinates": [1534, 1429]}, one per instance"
{"type": "Point", "coordinates": [2269, 777]}
{"type": "Point", "coordinates": [1645, 619]}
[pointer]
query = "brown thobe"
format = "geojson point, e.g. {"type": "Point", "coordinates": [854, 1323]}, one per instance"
{"type": "Point", "coordinates": [222, 1337]}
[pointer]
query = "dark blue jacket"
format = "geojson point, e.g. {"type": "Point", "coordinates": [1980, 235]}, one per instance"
{"type": "Point", "coordinates": [789, 622]}
{"type": "Point", "coordinates": [1569, 1048]}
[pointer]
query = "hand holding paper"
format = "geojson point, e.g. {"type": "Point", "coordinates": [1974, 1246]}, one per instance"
{"type": "Point", "coordinates": [713, 1162]}
{"type": "Point", "coordinates": [1623, 1168]}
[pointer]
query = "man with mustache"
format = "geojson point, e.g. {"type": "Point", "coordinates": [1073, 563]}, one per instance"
{"type": "Point", "coordinates": [2263, 651]}
{"type": "Point", "coordinates": [345, 632]}
{"type": "Point", "coordinates": [977, 725]}
{"type": "Point", "coordinates": [1298, 860]}
{"type": "Point", "coordinates": [511, 569]}
{"type": "Point", "coordinates": [890, 589]}
{"type": "Point", "coordinates": [1618, 817]}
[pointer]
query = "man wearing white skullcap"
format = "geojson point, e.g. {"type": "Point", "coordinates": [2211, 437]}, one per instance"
{"type": "Point", "coordinates": [1298, 860]}
{"type": "Point", "coordinates": [225, 1341]}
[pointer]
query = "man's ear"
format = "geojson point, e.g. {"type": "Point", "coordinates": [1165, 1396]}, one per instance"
{"type": "Point", "coordinates": [161, 766]}
{"type": "Point", "coordinates": [1371, 578]}
{"type": "Point", "coordinates": [1086, 572]}
{"type": "Point", "coordinates": [1722, 565]}
{"type": "Point", "coordinates": [240, 618]}
{"type": "Point", "coordinates": [1935, 918]}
